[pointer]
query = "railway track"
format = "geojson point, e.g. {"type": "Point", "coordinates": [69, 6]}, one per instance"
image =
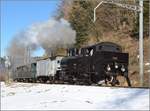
{"type": "Point", "coordinates": [95, 85]}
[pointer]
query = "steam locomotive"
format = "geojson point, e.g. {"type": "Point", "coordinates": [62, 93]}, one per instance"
{"type": "Point", "coordinates": [104, 61]}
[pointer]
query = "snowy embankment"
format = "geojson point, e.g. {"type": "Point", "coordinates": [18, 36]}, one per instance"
{"type": "Point", "coordinates": [22, 96]}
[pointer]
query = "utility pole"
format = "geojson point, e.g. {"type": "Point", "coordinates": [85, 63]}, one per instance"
{"type": "Point", "coordinates": [139, 9]}
{"type": "Point", "coordinates": [141, 42]}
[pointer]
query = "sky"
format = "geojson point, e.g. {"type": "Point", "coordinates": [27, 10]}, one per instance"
{"type": "Point", "coordinates": [17, 15]}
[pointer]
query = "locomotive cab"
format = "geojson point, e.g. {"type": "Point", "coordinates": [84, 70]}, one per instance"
{"type": "Point", "coordinates": [104, 46]}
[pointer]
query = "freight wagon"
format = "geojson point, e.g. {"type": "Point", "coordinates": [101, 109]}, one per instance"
{"type": "Point", "coordinates": [25, 73]}
{"type": "Point", "coordinates": [48, 68]}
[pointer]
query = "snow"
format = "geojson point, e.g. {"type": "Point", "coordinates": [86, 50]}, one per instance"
{"type": "Point", "coordinates": [27, 96]}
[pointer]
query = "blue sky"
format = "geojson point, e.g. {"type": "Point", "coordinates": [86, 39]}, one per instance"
{"type": "Point", "coordinates": [18, 15]}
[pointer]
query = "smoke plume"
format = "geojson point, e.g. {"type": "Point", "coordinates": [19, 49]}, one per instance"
{"type": "Point", "coordinates": [49, 35]}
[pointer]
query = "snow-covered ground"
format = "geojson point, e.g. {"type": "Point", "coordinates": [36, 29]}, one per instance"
{"type": "Point", "coordinates": [22, 96]}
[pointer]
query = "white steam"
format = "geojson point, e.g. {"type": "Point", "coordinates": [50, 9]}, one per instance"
{"type": "Point", "coordinates": [49, 35]}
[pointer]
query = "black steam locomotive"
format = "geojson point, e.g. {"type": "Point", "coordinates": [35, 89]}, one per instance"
{"type": "Point", "coordinates": [95, 64]}
{"type": "Point", "coordinates": [91, 65]}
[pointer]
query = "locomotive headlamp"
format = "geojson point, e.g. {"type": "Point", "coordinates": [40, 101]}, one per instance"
{"type": "Point", "coordinates": [108, 67]}
{"type": "Point", "coordinates": [116, 66]}
{"type": "Point", "coordinates": [123, 69]}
